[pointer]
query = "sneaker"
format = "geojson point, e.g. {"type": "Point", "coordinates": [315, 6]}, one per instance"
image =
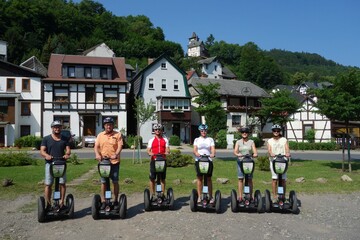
{"type": "Point", "coordinates": [153, 197]}
{"type": "Point", "coordinates": [116, 205]}
{"type": "Point", "coordinates": [240, 199]}
{"type": "Point", "coordinates": [199, 200]}
{"type": "Point", "coordinates": [212, 201]}
{"type": "Point", "coordinates": [103, 206]}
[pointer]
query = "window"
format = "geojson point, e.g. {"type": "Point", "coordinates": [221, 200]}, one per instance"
{"type": "Point", "coordinates": [163, 65]}
{"type": "Point", "coordinates": [186, 104]}
{"type": "Point", "coordinates": [110, 97]}
{"type": "Point", "coordinates": [172, 104]}
{"type": "Point", "coordinates": [87, 72]}
{"type": "Point", "coordinates": [71, 71]}
{"type": "Point", "coordinates": [26, 84]}
{"type": "Point", "coordinates": [61, 95]}
{"type": "Point", "coordinates": [236, 120]}
{"type": "Point", "coordinates": [10, 84]}
{"type": "Point", "coordinates": [163, 84]}
{"type": "Point", "coordinates": [151, 83]}
{"type": "Point", "coordinates": [103, 73]}
{"type": "Point", "coordinates": [4, 106]}
{"type": "Point", "coordinates": [25, 109]}
{"type": "Point", "coordinates": [25, 130]}
{"type": "Point", "coordinates": [176, 84]}
{"type": "Point", "coordinates": [65, 120]}
{"type": "Point", "coordinates": [90, 95]}
{"type": "Point", "coordinates": [166, 104]}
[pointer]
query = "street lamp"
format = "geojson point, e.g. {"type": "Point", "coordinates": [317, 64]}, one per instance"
{"type": "Point", "coordinates": [246, 91]}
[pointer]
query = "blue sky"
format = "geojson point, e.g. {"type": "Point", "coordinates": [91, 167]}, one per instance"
{"type": "Point", "coordinates": [329, 28]}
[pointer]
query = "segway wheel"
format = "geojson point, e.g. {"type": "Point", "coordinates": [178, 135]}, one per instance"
{"type": "Point", "coordinates": [95, 206]}
{"type": "Point", "coordinates": [234, 203]}
{"type": "Point", "coordinates": [218, 201]}
{"type": "Point", "coordinates": [267, 201]}
{"type": "Point", "coordinates": [70, 204]}
{"type": "Point", "coordinates": [258, 199]}
{"type": "Point", "coordinates": [123, 206]}
{"type": "Point", "coordinates": [147, 205]}
{"type": "Point", "coordinates": [170, 197]}
{"type": "Point", "coordinates": [41, 209]}
{"type": "Point", "coordinates": [294, 202]}
{"type": "Point", "coordinates": [193, 200]}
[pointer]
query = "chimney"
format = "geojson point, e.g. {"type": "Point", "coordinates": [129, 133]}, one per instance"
{"type": "Point", "coordinates": [150, 61]}
{"type": "Point", "coordinates": [3, 50]}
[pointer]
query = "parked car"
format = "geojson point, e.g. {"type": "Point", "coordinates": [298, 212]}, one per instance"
{"type": "Point", "coordinates": [67, 135]}
{"type": "Point", "coordinates": [89, 141]}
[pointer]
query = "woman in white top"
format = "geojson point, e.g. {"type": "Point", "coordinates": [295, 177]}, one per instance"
{"type": "Point", "coordinates": [244, 146]}
{"type": "Point", "coordinates": [277, 145]}
{"type": "Point", "coordinates": [204, 145]}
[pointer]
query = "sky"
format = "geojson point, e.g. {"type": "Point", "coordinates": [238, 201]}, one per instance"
{"type": "Point", "coordinates": [330, 28]}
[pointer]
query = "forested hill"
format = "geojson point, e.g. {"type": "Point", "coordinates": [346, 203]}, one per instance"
{"type": "Point", "coordinates": [292, 62]}
{"type": "Point", "coordinates": [41, 27]}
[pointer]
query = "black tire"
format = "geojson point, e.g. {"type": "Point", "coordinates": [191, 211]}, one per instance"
{"type": "Point", "coordinates": [267, 201]}
{"type": "Point", "coordinates": [234, 202]}
{"type": "Point", "coordinates": [147, 205]}
{"type": "Point", "coordinates": [170, 197]}
{"type": "Point", "coordinates": [70, 204]}
{"type": "Point", "coordinates": [123, 206]}
{"type": "Point", "coordinates": [218, 201]}
{"type": "Point", "coordinates": [258, 200]}
{"type": "Point", "coordinates": [193, 200]}
{"type": "Point", "coordinates": [95, 206]}
{"type": "Point", "coordinates": [41, 209]}
{"type": "Point", "coordinates": [294, 202]}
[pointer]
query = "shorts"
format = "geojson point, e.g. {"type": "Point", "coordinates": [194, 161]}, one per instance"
{"type": "Point", "coordinates": [273, 174]}
{"type": "Point", "coordinates": [152, 174]}
{"type": "Point", "coordinates": [240, 173]}
{"type": "Point", "coordinates": [49, 180]}
{"type": "Point", "coordinates": [197, 169]}
{"type": "Point", "coordinates": [114, 173]}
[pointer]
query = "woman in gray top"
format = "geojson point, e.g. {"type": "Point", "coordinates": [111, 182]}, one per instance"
{"type": "Point", "coordinates": [242, 147]}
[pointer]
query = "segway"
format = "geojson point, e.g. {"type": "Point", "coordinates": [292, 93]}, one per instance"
{"type": "Point", "coordinates": [280, 165]}
{"type": "Point", "coordinates": [57, 170]}
{"type": "Point", "coordinates": [205, 205]}
{"type": "Point", "coordinates": [104, 168]}
{"type": "Point", "coordinates": [159, 201]}
{"type": "Point", "coordinates": [247, 166]}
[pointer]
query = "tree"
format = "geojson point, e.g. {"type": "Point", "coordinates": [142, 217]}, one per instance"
{"type": "Point", "coordinates": [210, 107]}
{"type": "Point", "coordinates": [143, 113]}
{"type": "Point", "coordinates": [278, 108]}
{"type": "Point", "coordinates": [341, 101]}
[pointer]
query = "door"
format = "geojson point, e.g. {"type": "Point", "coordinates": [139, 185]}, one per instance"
{"type": "Point", "coordinates": [176, 129]}
{"type": "Point", "coordinates": [2, 137]}
{"type": "Point", "coordinates": [89, 126]}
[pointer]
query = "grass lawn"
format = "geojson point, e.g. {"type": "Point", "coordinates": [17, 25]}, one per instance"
{"type": "Point", "coordinates": [26, 178]}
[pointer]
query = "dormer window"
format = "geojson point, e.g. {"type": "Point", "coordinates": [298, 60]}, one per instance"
{"type": "Point", "coordinates": [71, 71]}
{"type": "Point", "coordinates": [87, 72]}
{"type": "Point", "coordinates": [103, 73]}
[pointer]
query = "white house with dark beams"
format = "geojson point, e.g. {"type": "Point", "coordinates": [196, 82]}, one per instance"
{"type": "Point", "coordinates": [82, 90]}
{"type": "Point", "coordinates": [20, 103]}
{"type": "Point", "coordinates": [164, 84]}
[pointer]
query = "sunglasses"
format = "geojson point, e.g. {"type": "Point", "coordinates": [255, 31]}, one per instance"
{"type": "Point", "coordinates": [157, 129]}
{"type": "Point", "coordinates": [276, 131]}
{"type": "Point", "coordinates": [203, 130]}
{"type": "Point", "coordinates": [243, 132]}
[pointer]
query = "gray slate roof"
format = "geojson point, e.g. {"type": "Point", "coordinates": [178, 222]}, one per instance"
{"type": "Point", "coordinates": [230, 87]}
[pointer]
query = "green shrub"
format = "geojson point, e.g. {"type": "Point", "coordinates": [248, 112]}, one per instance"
{"type": "Point", "coordinates": [28, 141]}
{"type": "Point", "coordinates": [220, 141]}
{"type": "Point", "coordinates": [329, 146]}
{"type": "Point", "coordinates": [74, 159]}
{"type": "Point", "coordinates": [176, 159]}
{"type": "Point", "coordinates": [132, 140]}
{"type": "Point", "coordinates": [257, 141]}
{"type": "Point", "coordinates": [310, 135]}
{"type": "Point", "coordinates": [263, 163]}
{"type": "Point", "coordinates": [174, 140]}
{"type": "Point", "coordinates": [10, 159]}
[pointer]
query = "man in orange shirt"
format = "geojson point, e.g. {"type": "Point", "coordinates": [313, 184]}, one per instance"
{"type": "Point", "coordinates": [109, 144]}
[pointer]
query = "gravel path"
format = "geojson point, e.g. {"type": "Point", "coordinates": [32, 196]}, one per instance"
{"type": "Point", "coordinates": [328, 216]}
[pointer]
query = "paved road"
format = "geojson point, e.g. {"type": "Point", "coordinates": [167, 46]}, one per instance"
{"type": "Point", "coordinates": [88, 153]}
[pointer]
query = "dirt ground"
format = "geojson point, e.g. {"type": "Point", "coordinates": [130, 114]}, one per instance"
{"type": "Point", "coordinates": [329, 216]}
